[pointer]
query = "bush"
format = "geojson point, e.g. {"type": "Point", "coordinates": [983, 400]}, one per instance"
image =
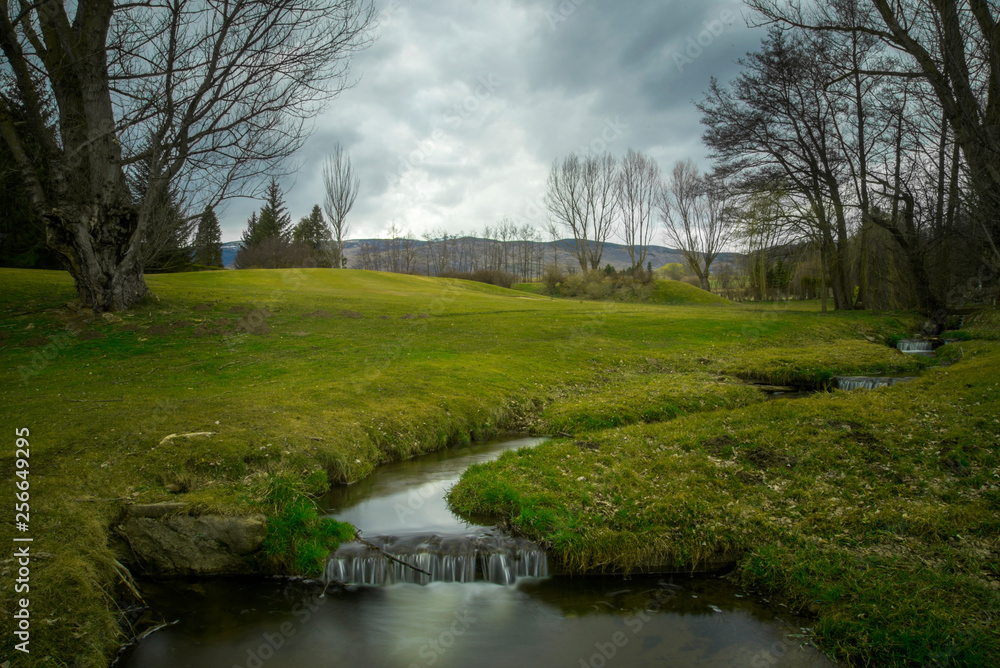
{"type": "Point", "coordinates": [691, 280]}
{"type": "Point", "coordinates": [503, 279]}
{"type": "Point", "coordinates": [276, 253]}
{"type": "Point", "coordinates": [620, 286]}
{"type": "Point", "coordinates": [552, 279]}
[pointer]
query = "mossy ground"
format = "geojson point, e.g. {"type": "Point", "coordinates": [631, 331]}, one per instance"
{"type": "Point", "coordinates": [878, 511]}
{"type": "Point", "coordinates": [300, 372]}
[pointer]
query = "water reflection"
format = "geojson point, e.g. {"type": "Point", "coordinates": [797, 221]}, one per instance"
{"type": "Point", "coordinates": [407, 498]}
{"type": "Point", "coordinates": [582, 622]}
{"type": "Point", "coordinates": [555, 622]}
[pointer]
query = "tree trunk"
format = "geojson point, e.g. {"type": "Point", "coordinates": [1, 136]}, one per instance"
{"type": "Point", "coordinates": [100, 251]}
{"type": "Point", "coordinates": [703, 277]}
{"type": "Point", "coordinates": [822, 279]}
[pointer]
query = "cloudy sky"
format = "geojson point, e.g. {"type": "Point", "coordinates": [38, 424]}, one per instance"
{"type": "Point", "coordinates": [462, 105]}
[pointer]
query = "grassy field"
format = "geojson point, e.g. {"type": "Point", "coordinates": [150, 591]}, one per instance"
{"type": "Point", "coordinates": [301, 374]}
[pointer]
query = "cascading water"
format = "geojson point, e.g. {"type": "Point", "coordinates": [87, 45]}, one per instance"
{"type": "Point", "coordinates": [867, 382]}
{"type": "Point", "coordinates": [495, 559]}
{"type": "Point", "coordinates": [410, 525]}
{"type": "Point", "coordinates": [459, 618]}
{"type": "Point", "coordinates": [922, 346]}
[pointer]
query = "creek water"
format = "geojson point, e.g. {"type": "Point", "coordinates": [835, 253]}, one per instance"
{"type": "Point", "coordinates": [510, 613]}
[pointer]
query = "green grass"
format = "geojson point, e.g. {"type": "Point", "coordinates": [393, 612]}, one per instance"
{"type": "Point", "coordinates": [532, 288]}
{"type": "Point", "coordinates": [877, 511]}
{"type": "Point", "coordinates": [303, 373]}
{"type": "Point", "coordinates": [678, 293]}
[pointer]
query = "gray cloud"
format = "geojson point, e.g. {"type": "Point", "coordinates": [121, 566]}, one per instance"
{"type": "Point", "coordinates": [461, 106]}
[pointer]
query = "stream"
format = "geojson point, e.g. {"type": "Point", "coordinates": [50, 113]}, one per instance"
{"type": "Point", "coordinates": [486, 600]}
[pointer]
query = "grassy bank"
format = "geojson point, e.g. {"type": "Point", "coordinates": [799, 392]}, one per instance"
{"type": "Point", "coordinates": [266, 376]}
{"type": "Point", "coordinates": [878, 511]}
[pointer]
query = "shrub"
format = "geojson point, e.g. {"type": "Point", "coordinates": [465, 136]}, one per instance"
{"type": "Point", "coordinates": [503, 279]}
{"type": "Point", "coordinates": [553, 278]}
{"type": "Point", "coordinates": [621, 286]}
{"type": "Point", "coordinates": [276, 253]}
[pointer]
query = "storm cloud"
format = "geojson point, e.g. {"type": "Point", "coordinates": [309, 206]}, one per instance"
{"type": "Point", "coordinates": [461, 106]}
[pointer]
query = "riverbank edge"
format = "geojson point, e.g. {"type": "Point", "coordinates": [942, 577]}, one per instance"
{"type": "Point", "coordinates": [801, 567]}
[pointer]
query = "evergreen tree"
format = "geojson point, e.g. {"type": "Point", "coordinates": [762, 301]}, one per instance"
{"type": "Point", "coordinates": [22, 233]}
{"type": "Point", "coordinates": [208, 240]}
{"type": "Point", "coordinates": [313, 231]}
{"type": "Point", "coordinates": [274, 219]}
{"type": "Point", "coordinates": [250, 235]}
{"type": "Point", "coordinates": [165, 243]}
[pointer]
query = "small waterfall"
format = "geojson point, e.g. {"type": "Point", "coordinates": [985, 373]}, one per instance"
{"type": "Point", "coordinates": [866, 382]}
{"type": "Point", "coordinates": [495, 559]}
{"type": "Point", "coordinates": [915, 346]}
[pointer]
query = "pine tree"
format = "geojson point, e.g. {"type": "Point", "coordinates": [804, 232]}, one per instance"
{"type": "Point", "coordinates": [313, 231]}
{"type": "Point", "coordinates": [168, 231]}
{"type": "Point", "coordinates": [250, 235]}
{"type": "Point", "coordinates": [274, 219]}
{"type": "Point", "coordinates": [208, 240]}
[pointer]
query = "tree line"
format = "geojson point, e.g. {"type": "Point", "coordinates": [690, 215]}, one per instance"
{"type": "Point", "coordinates": [208, 96]}
{"type": "Point", "coordinates": [859, 140]}
{"type": "Point", "coordinates": [270, 241]}
{"type": "Point", "coordinates": [865, 131]}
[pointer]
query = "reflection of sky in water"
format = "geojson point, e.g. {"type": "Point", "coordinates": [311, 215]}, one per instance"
{"type": "Point", "coordinates": [573, 622]}
{"type": "Point", "coordinates": [408, 497]}
{"type": "Point", "coordinates": [535, 623]}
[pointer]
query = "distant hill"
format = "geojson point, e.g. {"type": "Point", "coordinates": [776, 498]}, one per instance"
{"type": "Point", "coordinates": [614, 254]}
{"type": "Point", "coordinates": [229, 250]}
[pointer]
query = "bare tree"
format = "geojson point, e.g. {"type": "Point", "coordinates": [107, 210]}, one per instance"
{"type": "Point", "coordinates": [580, 195]}
{"type": "Point", "coordinates": [341, 184]}
{"type": "Point", "coordinates": [209, 95]}
{"type": "Point", "coordinates": [776, 124]}
{"type": "Point", "coordinates": [638, 186]}
{"type": "Point", "coordinates": [564, 200]}
{"type": "Point", "coordinates": [694, 212]}
{"type": "Point", "coordinates": [954, 46]}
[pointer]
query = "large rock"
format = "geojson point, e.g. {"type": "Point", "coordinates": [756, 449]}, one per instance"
{"type": "Point", "coordinates": [159, 541]}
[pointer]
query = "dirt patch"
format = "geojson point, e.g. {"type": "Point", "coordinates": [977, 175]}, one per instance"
{"type": "Point", "coordinates": [588, 445]}
{"type": "Point", "coordinates": [423, 315]}
{"type": "Point", "coordinates": [350, 314]}
{"type": "Point", "coordinates": [212, 329]}
{"type": "Point", "coordinates": [383, 317]}
{"type": "Point", "coordinates": [4, 336]}
{"type": "Point", "coordinates": [766, 458]}
{"type": "Point", "coordinates": [239, 309]}
{"type": "Point", "coordinates": [168, 328]}
{"type": "Point", "coordinates": [90, 335]}
{"type": "Point", "coordinates": [720, 445]}
{"type": "Point", "coordinates": [868, 440]}
{"type": "Point", "coordinates": [254, 322]}
{"type": "Point", "coordinates": [34, 342]}
{"type": "Point", "coordinates": [202, 307]}
{"type": "Point", "coordinates": [750, 477]}
{"type": "Point", "coordinates": [407, 316]}
{"type": "Point", "coordinates": [319, 314]}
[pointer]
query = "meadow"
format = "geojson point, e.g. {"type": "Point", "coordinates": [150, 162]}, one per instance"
{"type": "Point", "coordinates": [877, 511]}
